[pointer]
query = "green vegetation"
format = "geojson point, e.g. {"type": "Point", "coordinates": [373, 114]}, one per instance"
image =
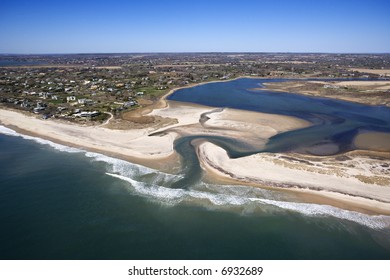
{"type": "Point", "coordinates": [110, 83]}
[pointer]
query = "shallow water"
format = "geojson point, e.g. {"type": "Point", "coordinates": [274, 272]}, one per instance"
{"type": "Point", "coordinates": [335, 122]}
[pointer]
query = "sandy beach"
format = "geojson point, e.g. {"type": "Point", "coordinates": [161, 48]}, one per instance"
{"type": "Point", "coordinates": [348, 180]}
{"type": "Point", "coordinates": [360, 179]}
{"type": "Point", "coordinates": [379, 141]}
{"type": "Point", "coordinates": [137, 144]}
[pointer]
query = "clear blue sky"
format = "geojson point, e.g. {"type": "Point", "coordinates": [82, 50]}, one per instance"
{"type": "Point", "coordinates": [80, 26]}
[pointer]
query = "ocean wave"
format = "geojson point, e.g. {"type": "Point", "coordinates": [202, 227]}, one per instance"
{"type": "Point", "coordinates": [8, 131]}
{"type": "Point", "coordinates": [152, 184]}
{"type": "Point", "coordinates": [237, 196]}
{"type": "Point", "coordinates": [59, 147]}
{"type": "Point", "coordinates": [132, 170]}
{"type": "Point", "coordinates": [310, 209]}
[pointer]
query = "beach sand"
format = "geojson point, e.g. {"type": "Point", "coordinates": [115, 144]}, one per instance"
{"type": "Point", "coordinates": [137, 144]}
{"type": "Point", "coordinates": [359, 179]}
{"type": "Point", "coordinates": [369, 85]}
{"type": "Point", "coordinates": [379, 141]}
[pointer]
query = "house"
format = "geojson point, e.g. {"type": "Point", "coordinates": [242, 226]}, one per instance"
{"type": "Point", "coordinates": [41, 104]}
{"type": "Point", "coordinates": [40, 107]}
{"type": "Point", "coordinates": [85, 101]}
{"type": "Point", "coordinates": [88, 114]}
{"type": "Point", "coordinates": [332, 86]}
{"type": "Point", "coordinates": [70, 98]}
{"type": "Point", "coordinates": [129, 104]}
{"type": "Point", "coordinates": [25, 104]}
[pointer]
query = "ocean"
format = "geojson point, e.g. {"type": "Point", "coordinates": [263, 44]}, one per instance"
{"type": "Point", "coordinates": [58, 202]}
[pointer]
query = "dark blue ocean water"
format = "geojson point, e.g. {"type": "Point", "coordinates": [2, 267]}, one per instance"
{"type": "Point", "coordinates": [61, 203]}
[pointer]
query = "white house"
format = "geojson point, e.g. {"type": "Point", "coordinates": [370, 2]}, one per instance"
{"type": "Point", "coordinates": [71, 98]}
{"type": "Point", "coordinates": [88, 114]}
{"type": "Point", "coordinates": [85, 101]}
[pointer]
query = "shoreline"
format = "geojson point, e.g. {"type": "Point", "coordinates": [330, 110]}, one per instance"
{"type": "Point", "coordinates": [157, 152]}
{"type": "Point", "coordinates": [348, 194]}
{"type": "Point", "coordinates": [359, 97]}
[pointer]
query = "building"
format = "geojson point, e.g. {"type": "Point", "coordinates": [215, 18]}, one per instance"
{"type": "Point", "coordinates": [129, 104]}
{"type": "Point", "coordinates": [85, 101]}
{"type": "Point", "coordinates": [85, 114]}
{"type": "Point", "coordinates": [71, 98]}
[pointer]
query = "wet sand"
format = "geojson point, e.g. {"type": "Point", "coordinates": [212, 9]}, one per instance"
{"type": "Point", "coordinates": [379, 141]}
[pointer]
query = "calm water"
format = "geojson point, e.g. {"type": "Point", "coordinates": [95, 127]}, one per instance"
{"type": "Point", "coordinates": [336, 122]}
{"type": "Point", "coordinates": [8, 62]}
{"type": "Point", "coordinates": [62, 203]}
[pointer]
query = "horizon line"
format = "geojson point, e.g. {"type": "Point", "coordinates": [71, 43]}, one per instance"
{"type": "Point", "coordinates": [188, 52]}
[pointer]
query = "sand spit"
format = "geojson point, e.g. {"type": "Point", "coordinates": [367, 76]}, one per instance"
{"type": "Point", "coordinates": [355, 177]}
{"type": "Point", "coordinates": [352, 177]}
{"type": "Point", "coordinates": [384, 72]}
{"type": "Point", "coordinates": [365, 92]}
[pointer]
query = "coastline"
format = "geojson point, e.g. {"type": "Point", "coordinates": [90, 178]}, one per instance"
{"type": "Point", "coordinates": [370, 93]}
{"type": "Point", "coordinates": [157, 152]}
{"type": "Point", "coordinates": [346, 190]}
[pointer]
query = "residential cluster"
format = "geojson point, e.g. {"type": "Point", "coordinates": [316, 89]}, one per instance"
{"type": "Point", "coordinates": [84, 88]}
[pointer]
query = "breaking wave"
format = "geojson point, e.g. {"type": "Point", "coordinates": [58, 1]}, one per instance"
{"type": "Point", "coordinates": [237, 197]}
{"type": "Point", "coordinates": [152, 184]}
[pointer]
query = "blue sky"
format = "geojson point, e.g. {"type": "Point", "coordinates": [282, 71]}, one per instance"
{"type": "Point", "coordinates": [194, 26]}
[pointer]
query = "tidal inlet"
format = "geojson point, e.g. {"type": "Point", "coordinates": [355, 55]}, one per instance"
{"type": "Point", "coordinates": [226, 170]}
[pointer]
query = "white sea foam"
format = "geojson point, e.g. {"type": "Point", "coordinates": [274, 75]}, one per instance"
{"type": "Point", "coordinates": [151, 183]}
{"type": "Point", "coordinates": [132, 170]}
{"type": "Point", "coordinates": [239, 198]}
{"type": "Point", "coordinates": [310, 209]}
{"type": "Point", "coordinates": [7, 131]}
{"type": "Point", "coordinates": [59, 147]}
